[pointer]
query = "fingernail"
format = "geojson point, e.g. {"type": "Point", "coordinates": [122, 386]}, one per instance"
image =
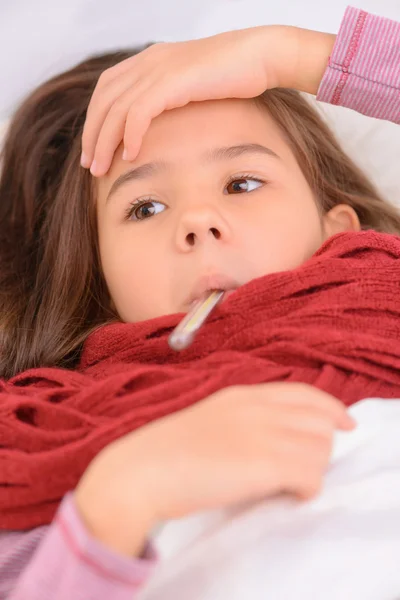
{"type": "Point", "coordinates": [125, 154]}
{"type": "Point", "coordinates": [85, 161]}
{"type": "Point", "coordinates": [93, 168]}
{"type": "Point", "coordinates": [349, 422]}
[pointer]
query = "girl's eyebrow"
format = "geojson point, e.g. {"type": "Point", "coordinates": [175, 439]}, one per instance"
{"type": "Point", "coordinates": [228, 152]}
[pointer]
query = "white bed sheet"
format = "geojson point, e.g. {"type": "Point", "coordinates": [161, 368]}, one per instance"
{"type": "Point", "coordinates": [344, 545]}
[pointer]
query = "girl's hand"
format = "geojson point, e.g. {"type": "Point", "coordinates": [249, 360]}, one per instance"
{"type": "Point", "coordinates": [235, 64]}
{"type": "Point", "coordinates": [241, 443]}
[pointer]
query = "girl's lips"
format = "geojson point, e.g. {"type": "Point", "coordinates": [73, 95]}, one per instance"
{"type": "Point", "coordinates": [205, 284]}
{"type": "Point", "coordinates": [226, 295]}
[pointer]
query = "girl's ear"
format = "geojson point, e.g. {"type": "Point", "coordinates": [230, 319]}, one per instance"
{"type": "Point", "coordinates": [339, 219]}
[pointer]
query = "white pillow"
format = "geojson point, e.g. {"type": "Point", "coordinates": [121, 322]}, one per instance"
{"type": "Point", "coordinates": [374, 145]}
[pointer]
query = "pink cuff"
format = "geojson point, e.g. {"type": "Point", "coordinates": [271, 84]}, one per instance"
{"type": "Point", "coordinates": [364, 69]}
{"type": "Point", "coordinates": [91, 551]}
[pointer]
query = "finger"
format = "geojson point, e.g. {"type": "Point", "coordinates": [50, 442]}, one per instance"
{"type": "Point", "coordinates": [126, 68]}
{"type": "Point", "coordinates": [313, 447]}
{"type": "Point", "coordinates": [297, 419]}
{"type": "Point", "coordinates": [112, 130]}
{"type": "Point", "coordinates": [306, 395]}
{"type": "Point", "coordinates": [310, 417]}
{"type": "Point", "coordinates": [161, 95]}
{"type": "Point", "coordinates": [109, 75]}
{"type": "Point", "coordinates": [308, 489]}
{"type": "Point", "coordinates": [124, 65]}
{"type": "Point", "coordinates": [103, 98]}
{"type": "Point", "coordinates": [304, 481]}
{"type": "Point", "coordinates": [304, 463]}
{"type": "Point", "coordinates": [139, 118]}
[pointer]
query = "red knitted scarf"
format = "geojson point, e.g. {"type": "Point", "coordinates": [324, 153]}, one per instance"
{"type": "Point", "coordinates": [333, 322]}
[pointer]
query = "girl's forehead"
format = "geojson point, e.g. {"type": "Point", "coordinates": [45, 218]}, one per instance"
{"type": "Point", "coordinates": [199, 130]}
{"type": "Point", "coordinates": [207, 120]}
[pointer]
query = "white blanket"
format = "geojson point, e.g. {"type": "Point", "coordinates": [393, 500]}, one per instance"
{"type": "Point", "coordinates": [344, 545]}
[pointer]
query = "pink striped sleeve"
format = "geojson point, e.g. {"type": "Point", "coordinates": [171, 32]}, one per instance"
{"type": "Point", "coordinates": [61, 562]}
{"type": "Point", "coordinates": [364, 69]}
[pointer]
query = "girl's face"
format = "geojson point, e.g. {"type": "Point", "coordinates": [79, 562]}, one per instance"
{"type": "Point", "coordinates": [215, 198]}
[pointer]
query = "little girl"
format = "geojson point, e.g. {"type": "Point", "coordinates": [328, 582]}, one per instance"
{"type": "Point", "coordinates": [231, 189]}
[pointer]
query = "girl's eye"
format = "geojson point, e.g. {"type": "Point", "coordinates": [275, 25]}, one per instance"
{"type": "Point", "coordinates": [139, 210]}
{"type": "Point", "coordinates": [243, 184]}
{"type": "Point", "coordinates": [143, 209]}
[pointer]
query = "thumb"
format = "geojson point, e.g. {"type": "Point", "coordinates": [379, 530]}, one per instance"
{"type": "Point", "coordinates": [347, 422]}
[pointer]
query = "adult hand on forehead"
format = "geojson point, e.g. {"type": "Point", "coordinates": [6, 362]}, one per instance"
{"type": "Point", "coordinates": [235, 64]}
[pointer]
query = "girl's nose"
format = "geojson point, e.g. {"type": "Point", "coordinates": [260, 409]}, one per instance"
{"type": "Point", "coordinates": [198, 226]}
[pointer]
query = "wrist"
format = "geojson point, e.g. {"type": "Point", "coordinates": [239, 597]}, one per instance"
{"type": "Point", "coordinates": [300, 57]}
{"type": "Point", "coordinates": [314, 50]}
{"type": "Point", "coordinates": [111, 516]}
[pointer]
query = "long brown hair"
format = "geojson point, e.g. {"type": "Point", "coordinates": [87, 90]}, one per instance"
{"type": "Point", "coordinates": [52, 291]}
